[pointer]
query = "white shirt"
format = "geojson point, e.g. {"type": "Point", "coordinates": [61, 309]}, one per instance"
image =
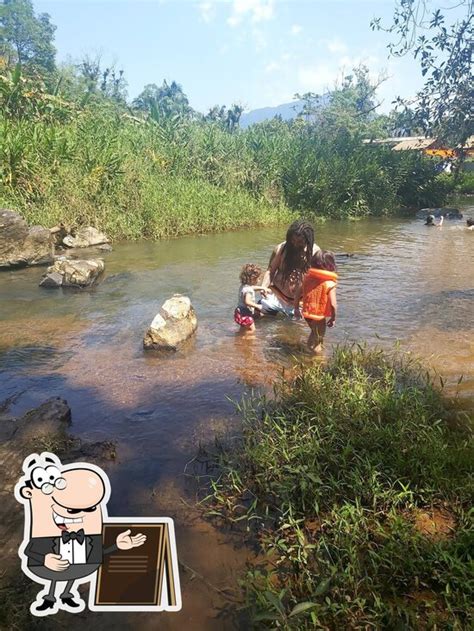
{"type": "Point", "coordinates": [73, 551]}
{"type": "Point", "coordinates": [243, 290]}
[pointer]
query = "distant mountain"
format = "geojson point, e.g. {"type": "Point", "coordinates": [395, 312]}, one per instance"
{"type": "Point", "coordinates": [287, 111]}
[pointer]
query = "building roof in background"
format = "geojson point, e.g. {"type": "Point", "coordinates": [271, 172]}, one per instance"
{"type": "Point", "coordinates": [469, 144]}
{"type": "Point", "coordinates": [419, 142]}
{"type": "Point", "coordinates": [395, 140]}
{"type": "Point", "coordinates": [414, 143]}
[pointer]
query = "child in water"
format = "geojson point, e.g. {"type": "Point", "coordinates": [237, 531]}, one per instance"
{"type": "Point", "coordinates": [244, 314]}
{"type": "Point", "coordinates": [319, 298]}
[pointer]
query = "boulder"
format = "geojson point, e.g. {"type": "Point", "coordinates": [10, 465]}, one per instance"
{"type": "Point", "coordinates": [77, 273]}
{"type": "Point", "coordinates": [105, 247]}
{"type": "Point", "coordinates": [20, 245]}
{"type": "Point", "coordinates": [175, 323]}
{"type": "Point", "coordinates": [448, 213]}
{"type": "Point", "coordinates": [85, 238]}
{"type": "Point", "coordinates": [49, 418]}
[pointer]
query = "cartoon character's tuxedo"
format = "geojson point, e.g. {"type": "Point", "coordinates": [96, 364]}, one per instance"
{"type": "Point", "coordinates": [39, 547]}
{"type": "Point", "coordinates": [90, 553]}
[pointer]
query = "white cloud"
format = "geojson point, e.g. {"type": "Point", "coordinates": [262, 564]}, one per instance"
{"type": "Point", "coordinates": [336, 46]}
{"type": "Point", "coordinates": [317, 78]}
{"type": "Point", "coordinates": [326, 75]}
{"type": "Point", "coordinates": [347, 63]}
{"type": "Point", "coordinates": [207, 11]}
{"type": "Point", "coordinates": [296, 29]}
{"type": "Point", "coordinates": [255, 10]}
{"type": "Point", "coordinates": [273, 66]}
{"type": "Point", "coordinates": [259, 39]}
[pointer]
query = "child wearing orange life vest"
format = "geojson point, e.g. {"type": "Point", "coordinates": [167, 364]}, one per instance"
{"type": "Point", "coordinates": [319, 298]}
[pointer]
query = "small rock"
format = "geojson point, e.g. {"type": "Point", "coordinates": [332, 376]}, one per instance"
{"type": "Point", "coordinates": [52, 279]}
{"type": "Point", "coordinates": [105, 247]}
{"type": "Point", "coordinates": [77, 273]}
{"type": "Point", "coordinates": [174, 324]}
{"type": "Point", "coordinates": [63, 257]}
{"type": "Point", "coordinates": [85, 238]}
{"type": "Point", "coordinates": [20, 245]}
{"type": "Point", "coordinates": [59, 232]}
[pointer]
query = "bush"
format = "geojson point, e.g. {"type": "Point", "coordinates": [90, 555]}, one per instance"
{"type": "Point", "coordinates": [465, 183]}
{"type": "Point", "coordinates": [340, 470]}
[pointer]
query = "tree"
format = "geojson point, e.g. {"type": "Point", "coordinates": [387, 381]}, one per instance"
{"type": "Point", "coordinates": [216, 114]}
{"type": "Point", "coordinates": [350, 106]}
{"type": "Point", "coordinates": [228, 118]}
{"type": "Point", "coordinates": [404, 122]}
{"type": "Point", "coordinates": [441, 39]}
{"type": "Point", "coordinates": [165, 101]}
{"type": "Point", "coordinates": [26, 39]}
{"type": "Point", "coordinates": [233, 117]}
{"type": "Point", "coordinates": [89, 79]}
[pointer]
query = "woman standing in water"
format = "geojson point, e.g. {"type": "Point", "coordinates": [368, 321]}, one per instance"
{"type": "Point", "coordinates": [289, 262]}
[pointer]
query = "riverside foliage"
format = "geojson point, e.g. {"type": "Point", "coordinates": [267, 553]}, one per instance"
{"type": "Point", "coordinates": [71, 156]}
{"type": "Point", "coordinates": [357, 481]}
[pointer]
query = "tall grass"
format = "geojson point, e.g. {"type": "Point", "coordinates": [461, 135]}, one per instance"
{"type": "Point", "coordinates": [98, 163]}
{"type": "Point", "coordinates": [337, 475]}
{"type": "Point", "coordinates": [120, 177]}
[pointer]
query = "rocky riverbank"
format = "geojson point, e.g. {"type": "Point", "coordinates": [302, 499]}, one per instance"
{"type": "Point", "coordinates": [46, 428]}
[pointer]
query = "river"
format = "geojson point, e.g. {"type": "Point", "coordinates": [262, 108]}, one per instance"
{"type": "Point", "coordinates": [406, 283]}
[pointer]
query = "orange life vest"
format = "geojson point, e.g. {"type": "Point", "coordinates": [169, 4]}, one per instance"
{"type": "Point", "coordinates": [317, 284]}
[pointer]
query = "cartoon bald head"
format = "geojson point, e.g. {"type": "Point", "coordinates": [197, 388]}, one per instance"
{"type": "Point", "coordinates": [63, 498]}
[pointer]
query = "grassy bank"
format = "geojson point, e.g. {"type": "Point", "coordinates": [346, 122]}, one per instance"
{"type": "Point", "coordinates": [358, 484]}
{"type": "Point", "coordinates": [96, 161]}
{"type": "Point", "coordinates": [146, 207]}
{"type": "Point", "coordinates": [98, 168]}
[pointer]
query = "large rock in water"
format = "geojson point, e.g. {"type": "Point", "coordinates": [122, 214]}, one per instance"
{"type": "Point", "coordinates": [85, 238]}
{"type": "Point", "coordinates": [174, 324]}
{"type": "Point", "coordinates": [76, 273]}
{"type": "Point", "coordinates": [448, 213]}
{"type": "Point", "coordinates": [20, 245]}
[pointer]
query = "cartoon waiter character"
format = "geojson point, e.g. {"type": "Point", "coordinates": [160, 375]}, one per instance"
{"type": "Point", "coordinates": [64, 512]}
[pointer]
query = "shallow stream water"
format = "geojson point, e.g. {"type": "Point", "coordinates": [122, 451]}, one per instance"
{"type": "Point", "coordinates": [406, 283]}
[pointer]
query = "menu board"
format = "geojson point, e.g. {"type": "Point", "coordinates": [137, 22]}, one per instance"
{"type": "Point", "coordinates": [143, 578]}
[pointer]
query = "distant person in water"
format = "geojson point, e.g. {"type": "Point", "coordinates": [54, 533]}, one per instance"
{"type": "Point", "coordinates": [248, 308]}
{"type": "Point", "coordinates": [319, 298]}
{"type": "Point", "coordinates": [470, 224]}
{"type": "Point", "coordinates": [430, 221]}
{"type": "Point", "coordinates": [289, 262]}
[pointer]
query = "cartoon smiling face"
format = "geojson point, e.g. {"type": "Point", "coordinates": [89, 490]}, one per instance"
{"type": "Point", "coordinates": [64, 500]}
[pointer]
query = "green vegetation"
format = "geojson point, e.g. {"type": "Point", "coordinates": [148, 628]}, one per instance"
{"type": "Point", "coordinates": [74, 149]}
{"type": "Point", "coordinates": [465, 183]}
{"type": "Point", "coordinates": [440, 38]}
{"type": "Point", "coordinates": [160, 176]}
{"type": "Point", "coordinates": [357, 481]}
{"type": "Point", "coordinates": [27, 39]}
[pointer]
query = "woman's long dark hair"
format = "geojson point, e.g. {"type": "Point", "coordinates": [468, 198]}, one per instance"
{"type": "Point", "coordinates": [297, 258]}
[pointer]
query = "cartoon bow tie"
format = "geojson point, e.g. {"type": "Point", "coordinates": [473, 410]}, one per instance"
{"type": "Point", "coordinates": [78, 536]}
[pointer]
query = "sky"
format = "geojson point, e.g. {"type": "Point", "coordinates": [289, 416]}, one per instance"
{"type": "Point", "coordinates": [253, 52]}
